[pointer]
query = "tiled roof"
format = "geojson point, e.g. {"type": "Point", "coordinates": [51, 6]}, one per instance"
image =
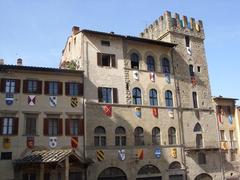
{"type": "Point", "coordinates": [6, 67]}
{"type": "Point", "coordinates": [133, 38]}
{"type": "Point", "coordinates": [47, 156]}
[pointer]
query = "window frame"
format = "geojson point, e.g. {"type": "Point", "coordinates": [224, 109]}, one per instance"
{"type": "Point", "coordinates": [47, 128]}
{"type": "Point", "coordinates": [169, 98]}
{"type": "Point", "coordinates": [166, 66]}
{"type": "Point", "coordinates": [139, 136]}
{"type": "Point", "coordinates": [120, 137]}
{"type": "Point", "coordinates": [150, 64]}
{"type": "Point", "coordinates": [100, 139]}
{"type": "Point", "coordinates": [13, 126]}
{"type": "Point", "coordinates": [172, 136]}
{"type": "Point", "coordinates": [195, 99]}
{"type": "Point", "coordinates": [135, 61]}
{"type": "Point", "coordinates": [156, 136]}
{"type": "Point", "coordinates": [137, 96]}
{"type": "Point", "coordinates": [32, 128]}
{"type": "Point", "coordinates": [153, 98]}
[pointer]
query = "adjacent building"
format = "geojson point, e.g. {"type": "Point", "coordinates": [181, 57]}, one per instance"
{"type": "Point", "coordinates": [148, 108]}
{"type": "Point", "coordinates": [41, 123]}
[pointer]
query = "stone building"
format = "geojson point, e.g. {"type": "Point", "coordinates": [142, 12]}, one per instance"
{"type": "Point", "coordinates": [148, 108]}
{"type": "Point", "coordinates": [228, 126]}
{"type": "Point", "coordinates": [41, 123]}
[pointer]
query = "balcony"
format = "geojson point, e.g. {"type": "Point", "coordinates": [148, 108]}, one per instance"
{"type": "Point", "coordinates": [192, 146]}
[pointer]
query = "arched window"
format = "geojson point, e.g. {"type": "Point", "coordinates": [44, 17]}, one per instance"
{"type": "Point", "coordinates": [99, 136]}
{"type": "Point", "coordinates": [148, 169]}
{"type": "Point", "coordinates": [153, 97]}
{"type": "Point", "coordinates": [191, 72]}
{"type": "Point", "coordinates": [156, 136]}
{"type": "Point", "coordinates": [136, 94]}
{"type": "Point", "coordinates": [203, 176]}
{"type": "Point", "coordinates": [134, 61]}
{"type": "Point", "coordinates": [150, 63]}
{"type": "Point", "coordinates": [112, 173]}
{"type": "Point", "coordinates": [172, 135]}
{"type": "Point", "coordinates": [168, 98]}
{"type": "Point", "coordinates": [197, 128]}
{"type": "Point", "coordinates": [139, 136]}
{"type": "Point", "coordinates": [201, 158]}
{"type": "Point", "coordinates": [120, 136]}
{"type": "Point", "coordinates": [175, 165]}
{"type": "Point", "coordinates": [165, 65]}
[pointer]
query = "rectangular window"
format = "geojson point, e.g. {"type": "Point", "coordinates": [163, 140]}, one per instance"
{"type": "Point", "coordinates": [100, 141]}
{"type": "Point", "coordinates": [6, 155]}
{"type": "Point", "coordinates": [120, 140]}
{"type": "Point", "coordinates": [187, 41]}
{"type": "Point", "coordinates": [106, 60]}
{"type": "Point", "coordinates": [74, 127]}
{"type": "Point", "coordinates": [29, 177]}
{"type": "Point", "coordinates": [8, 126]}
{"type": "Point", "coordinates": [10, 86]}
{"type": "Point", "coordinates": [105, 43]}
{"type": "Point", "coordinates": [107, 95]}
{"type": "Point", "coordinates": [53, 88]}
{"type": "Point", "coordinates": [73, 89]}
{"type": "Point", "coordinates": [31, 125]}
{"type": "Point", "coordinates": [32, 86]}
{"type": "Point", "coordinates": [222, 134]}
{"type": "Point", "coordinates": [199, 69]}
{"type": "Point", "coordinates": [194, 96]}
{"type": "Point", "coordinates": [52, 127]}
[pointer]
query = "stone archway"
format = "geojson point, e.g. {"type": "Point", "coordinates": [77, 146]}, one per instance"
{"type": "Point", "coordinates": [112, 173]}
{"type": "Point", "coordinates": [203, 176]}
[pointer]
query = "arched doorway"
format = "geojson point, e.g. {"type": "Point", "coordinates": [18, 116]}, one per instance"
{"type": "Point", "coordinates": [175, 171]}
{"type": "Point", "coordinates": [203, 176]}
{"type": "Point", "coordinates": [112, 173]}
{"type": "Point", "coordinates": [149, 172]}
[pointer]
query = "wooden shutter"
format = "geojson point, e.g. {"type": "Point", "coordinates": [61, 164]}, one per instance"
{"type": "Point", "coordinates": [60, 85]}
{"type": "Point", "coordinates": [115, 95]}
{"type": "Point", "coordinates": [99, 59]}
{"type": "Point", "coordinates": [1, 125]}
{"type": "Point", "coordinates": [17, 85]}
{"type": "Point", "coordinates": [3, 85]}
{"type": "Point", "coordinates": [67, 86]}
{"type": "Point", "coordinates": [45, 127]}
{"type": "Point", "coordinates": [60, 127]}
{"type": "Point", "coordinates": [25, 86]}
{"type": "Point", "coordinates": [81, 127]}
{"type": "Point", "coordinates": [39, 87]}
{"type": "Point", "coordinates": [113, 57]}
{"type": "Point", "coordinates": [80, 89]}
{"type": "Point", "coordinates": [46, 87]}
{"type": "Point", "coordinates": [15, 126]}
{"type": "Point", "coordinates": [100, 94]}
{"type": "Point", "coordinates": [67, 127]}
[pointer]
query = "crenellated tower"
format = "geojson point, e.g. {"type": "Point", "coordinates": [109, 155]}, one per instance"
{"type": "Point", "coordinates": [193, 92]}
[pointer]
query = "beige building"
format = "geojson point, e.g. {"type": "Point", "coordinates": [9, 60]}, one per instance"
{"type": "Point", "coordinates": [228, 126]}
{"type": "Point", "coordinates": [41, 123]}
{"type": "Point", "coordinates": [148, 108]}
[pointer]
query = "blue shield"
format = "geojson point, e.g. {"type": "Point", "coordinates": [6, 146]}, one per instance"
{"type": "Point", "coordinates": [230, 120]}
{"type": "Point", "coordinates": [157, 153]}
{"type": "Point", "coordinates": [9, 99]}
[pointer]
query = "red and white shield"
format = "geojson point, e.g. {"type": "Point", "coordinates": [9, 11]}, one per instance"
{"type": "Point", "coordinates": [30, 142]}
{"type": "Point", "coordinates": [155, 112]}
{"type": "Point", "coordinates": [108, 110]}
{"type": "Point", "coordinates": [152, 76]}
{"type": "Point", "coordinates": [74, 142]}
{"type": "Point", "coordinates": [31, 100]}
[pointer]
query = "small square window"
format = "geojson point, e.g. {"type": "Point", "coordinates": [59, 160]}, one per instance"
{"type": "Point", "coordinates": [6, 155]}
{"type": "Point", "coordinates": [105, 43]}
{"type": "Point", "coordinates": [106, 60]}
{"type": "Point", "coordinates": [199, 69]}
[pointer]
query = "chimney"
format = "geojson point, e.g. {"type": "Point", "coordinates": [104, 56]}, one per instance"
{"type": "Point", "coordinates": [75, 30]}
{"type": "Point", "coordinates": [19, 62]}
{"type": "Point", "coordinates": [1, 61]}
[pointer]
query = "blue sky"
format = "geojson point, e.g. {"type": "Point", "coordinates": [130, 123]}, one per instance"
{"type": "Point", "coordinates": [37, 31]}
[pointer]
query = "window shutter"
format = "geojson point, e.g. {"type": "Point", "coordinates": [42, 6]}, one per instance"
{"type": "Point", "coordinates": [39, 87]}
{"type": "Point", "coordinates": [80, 90]}
{"type": "Point", "coordinates": [45, 127]}
{"type": "Point", "coordinates": [60, 127]}
{"type": "Point", "coordinates": [81, 127]}
{"type": "Point", "coordinates": [17, 84]}
{"type": "Point", "coordinates": [25, 86]}
{"type": "Point", "coordinates": [115, 95]}
{"type": "Point", "coordinates": [60, 85]}
{"type": "Point", "coordinates": [113, 57]}
{"type": "Point", "coordinates": [46, 87]}
{"type": "Point", "coordinates": [67, 127]}
{"type": "Point", "coordinates": [15, 126]}
{"type": "Point", "coordinates": [3, 85]}
{"type": "Point", "coordinates": [99, 59]}
{"type": "Point", "coordinates": [100, 94]}
{"type": "Point", "coordinates": [67, 86]}
{"type": "Point", "coordinates": [1, 125]}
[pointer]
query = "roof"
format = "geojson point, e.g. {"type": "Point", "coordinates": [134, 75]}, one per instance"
{"type": "Point", "coordinates": [34, 68]}
{"type": "Point", "coordinates": [48, 156]}
{"type": "Point", "coordinates": [224, 98]}
{"type": "Point", "coordinates": [133, 38]}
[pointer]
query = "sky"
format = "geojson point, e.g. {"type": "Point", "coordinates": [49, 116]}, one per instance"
{"type": "Point", "coordinates": [36, 31]}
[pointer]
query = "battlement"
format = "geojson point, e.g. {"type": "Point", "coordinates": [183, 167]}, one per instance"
{"type": "Point", "coordinates": [167, 23]}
